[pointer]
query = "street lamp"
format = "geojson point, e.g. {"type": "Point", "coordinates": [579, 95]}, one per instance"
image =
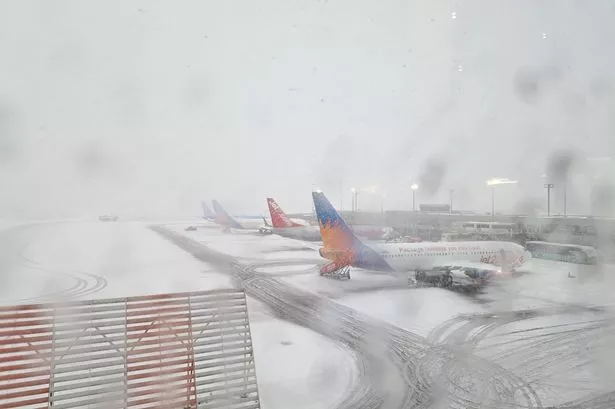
{"type": "Point", "coordinates": [493, 182]}
{"type": "Point", "coordinates": [549, 186]}
{"type": "Point", "coordinates": [414, 188]}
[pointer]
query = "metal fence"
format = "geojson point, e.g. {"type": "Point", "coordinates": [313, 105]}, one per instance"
{"type": "Point", "coordinates": [184, 350]}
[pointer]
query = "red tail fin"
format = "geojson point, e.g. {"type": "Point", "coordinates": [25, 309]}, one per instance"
{"type": "Point", "coordinates": [279, 219]}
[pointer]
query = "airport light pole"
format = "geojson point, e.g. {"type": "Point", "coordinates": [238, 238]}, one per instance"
{"type": "Point", "coordinates": [450, 209]}
{"type": "Point", "coordinates": [414, 188]}
{"type": "Point", "coordinates": [549, 186]}
{"type": "Point", "coordinates": [493, 182]}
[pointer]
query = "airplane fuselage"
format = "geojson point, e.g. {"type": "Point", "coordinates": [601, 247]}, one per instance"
{"type": "Point", "coordinates": [307, 233]}
{"type": "Point", "coordinates": [371, 232]}
{"type": "Point", "coordinates": [249, 224]}
{"type": "Point", "coordinates": [425, 256]}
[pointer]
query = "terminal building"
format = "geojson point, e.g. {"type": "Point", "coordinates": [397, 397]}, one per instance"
{"type": "Point", "coordinates": [431, 222]}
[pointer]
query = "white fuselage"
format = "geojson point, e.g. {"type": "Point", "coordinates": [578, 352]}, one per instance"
{"type": "Point", "coordinates": [372, 232]}
{"type": "Point", "coordinates": [249, 224]}
{"type": "Point", "coordinates": [404, 257]}
{"type": "Point", "coordinates": [308, 233]}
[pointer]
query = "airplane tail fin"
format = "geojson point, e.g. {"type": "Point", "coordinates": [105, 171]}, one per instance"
{"type": "Point", "coordinates": [340, 243]}
{"type": "Point", "coordinates": [207, 213]}
{"type": "Point", "coordinates": [336, 234]}
{"type": "Point", "coordinates": [278, 217]}
{"type": "Point", "coordinates": [266, 222]}
{"type": "Point", "coordinates": [223, 218]}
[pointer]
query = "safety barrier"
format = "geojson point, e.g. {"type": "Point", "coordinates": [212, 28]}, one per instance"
{"type": "Point", "coordinates": [183, 350]}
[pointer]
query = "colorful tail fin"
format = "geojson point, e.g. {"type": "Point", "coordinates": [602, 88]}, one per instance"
{"type": "Point", "coordinates": [340, 243]}
{"type": "Point", "coordinates": [223, 218]}
{"type": "Point", "coordinates": [336, 234]}
{"type": "Point", "coordinates": [207, 213]}
{"type": "Point", "coordinates": [279, 219]}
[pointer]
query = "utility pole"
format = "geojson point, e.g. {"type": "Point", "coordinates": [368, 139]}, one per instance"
{"type": "Point", "coordinates": [549, 186]}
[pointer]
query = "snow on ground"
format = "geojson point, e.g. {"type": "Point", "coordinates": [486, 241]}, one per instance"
{"type": "Point", "coordinates": [360, 281]}
{"type": "Point", "coordinates": [95, 260]}
{"type": "Point", "coordinates": [561, 366]}
{"type": "Point", "coordinates": [380, 295]}
{"type": "Point", "coordinates": [293, 269]}
{"type": "Point", "coordinates": [547, 283]}
{"type": "Point", "coordinates": [250, 244]}
{"type": "Point", "coordinates": [417, 310]}
{"type": "Point", "coordinates": [553, 353]}
{"type": "Point", "coordinates": [297, 365]}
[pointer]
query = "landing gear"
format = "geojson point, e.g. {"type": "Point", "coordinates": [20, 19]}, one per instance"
{"type": "Point", "coordinates": [339, 274]}
{"type": "Point", "coordinates": [446, 281]}
{"type": "Point", "coordinates": [443, 280]}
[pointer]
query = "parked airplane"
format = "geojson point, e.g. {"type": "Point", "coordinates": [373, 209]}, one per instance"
{"type": "Point", "coordinates": [282, 225]}
{"type": "Point", "coordinates": [224, 219]}
{"type": "Point", "coordinates": [207, 213]}
{"type": "Point", "coordinates": [285, 226]}
{"type": "Point", "coordinates": [373, 232]}
{"type": "Point", "coordinates": [448, 264]}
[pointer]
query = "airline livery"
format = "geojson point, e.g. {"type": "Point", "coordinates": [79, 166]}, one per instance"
{"type": "Point", "coordinates": [464, 263]}
{"type": "Point", "coordinates": [282, 225]}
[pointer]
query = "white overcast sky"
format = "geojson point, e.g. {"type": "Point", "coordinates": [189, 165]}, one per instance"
{"type": "Point", "coordinates": [148, 107]}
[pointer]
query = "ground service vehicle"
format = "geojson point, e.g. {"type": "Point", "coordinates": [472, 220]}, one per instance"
{"type": "Point", "coordinates": [570, 253]}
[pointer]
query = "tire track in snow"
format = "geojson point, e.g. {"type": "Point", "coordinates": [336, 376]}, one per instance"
{"type": "Point", "coordinates": [81, 283]}
{"type": "Point", "coordinates": [554, 350]}
{"type": "Point", "coordinates": [371, 339]}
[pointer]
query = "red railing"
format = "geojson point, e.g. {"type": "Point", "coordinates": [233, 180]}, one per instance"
{"type": "Point", "coordinates": [169, 350]}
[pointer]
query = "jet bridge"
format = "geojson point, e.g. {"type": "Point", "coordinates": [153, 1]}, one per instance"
{"type": "Point", "coordinates": [183, 350]}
